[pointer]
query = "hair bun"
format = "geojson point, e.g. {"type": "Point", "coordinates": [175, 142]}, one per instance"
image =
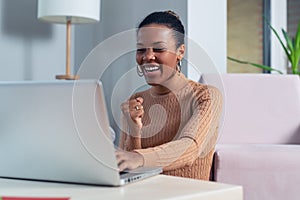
{"type": "Point", "coordinates": [172, 13]}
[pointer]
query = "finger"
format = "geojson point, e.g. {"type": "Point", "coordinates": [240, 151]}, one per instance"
{"type": "Point", "coordinates": [122, 166]}
{"type": "Point", "coordinates": [140, 113]}
{"type": "Point", "coordinates": [131, 113]}
{"type": "Point", "coordinates": [140, 100]}
{"type": "Point", "coordinates": [118, 152]}
{"type": "Point", "coordinates": [133, 105]}
{"type": "Point", "coordinates": [137, 114]}
{"type": "Point", "coordinates": [138, 107]}
{"type": "Point", "coordinates": [125, 106]}
{"type": "Point", "coordinates": [122, 160]}
{"type": "Point", "coordinates": [120, 157]}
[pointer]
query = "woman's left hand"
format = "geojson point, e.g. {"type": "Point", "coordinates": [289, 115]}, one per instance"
{"type": "Point", "coordinates": [129, 160]}
{"type": "Point", "coordinates": [133, 111]}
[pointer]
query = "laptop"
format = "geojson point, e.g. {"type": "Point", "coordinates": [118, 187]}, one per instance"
{"type": "Point", "coordinates": [59, 131]}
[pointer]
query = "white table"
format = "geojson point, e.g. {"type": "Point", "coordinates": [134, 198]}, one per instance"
{"type": "Point", "coordinates": [158, 187]}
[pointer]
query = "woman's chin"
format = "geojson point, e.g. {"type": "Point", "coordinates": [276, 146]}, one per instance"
{"type": "Point", "coordinates": [152, 82]}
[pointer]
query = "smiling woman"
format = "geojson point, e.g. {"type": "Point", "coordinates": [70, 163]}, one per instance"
{"type": "Point", "coordinates": [157, 55]}
{"type": "Point", "coordinates": [174, 124]}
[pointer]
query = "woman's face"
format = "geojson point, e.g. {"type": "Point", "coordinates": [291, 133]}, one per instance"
{"type": "Point", "coordinates": [157, 53]}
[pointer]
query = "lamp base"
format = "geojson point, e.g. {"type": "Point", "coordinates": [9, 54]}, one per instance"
{"type": "Point", "coordinates": [67, 77]}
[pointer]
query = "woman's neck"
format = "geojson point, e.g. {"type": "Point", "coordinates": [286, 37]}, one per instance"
{"type": "Point", "coordinates": [176, 82]}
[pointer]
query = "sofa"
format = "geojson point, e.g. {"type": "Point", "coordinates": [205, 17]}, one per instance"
{"type": "Point", "coordinates": [259, 140]}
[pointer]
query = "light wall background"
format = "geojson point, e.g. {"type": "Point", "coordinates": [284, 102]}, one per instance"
{"type": "Point", "coordinates": [29, 49]}
{"type": "Point", "coordinates": [34, 50]}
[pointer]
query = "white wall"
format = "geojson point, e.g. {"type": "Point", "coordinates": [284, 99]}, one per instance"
{"type": "Point", "coordinates": [278, 21]}
{"type": "Point", "coordinates": [203, 20]}
{"type": "Point", "coordinates": [29, 49]}
{"type": "Point", "coordinates": [118, 16]}
{"type": "Point", "coordinates": [35, 50]}
{"type": "Point", "coordinates": [207, 27]}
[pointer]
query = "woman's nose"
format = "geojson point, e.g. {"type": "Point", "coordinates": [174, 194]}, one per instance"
{"type": "Point", "coordinates": [149, 55]}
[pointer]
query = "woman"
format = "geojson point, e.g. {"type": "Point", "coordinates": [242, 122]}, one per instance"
{"type": "Point", "coordinates": [174, 123]}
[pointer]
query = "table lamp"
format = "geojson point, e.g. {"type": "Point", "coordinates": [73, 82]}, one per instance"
{"type": "Point", "coordinates": [69, 12]}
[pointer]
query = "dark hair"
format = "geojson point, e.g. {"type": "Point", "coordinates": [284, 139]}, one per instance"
{"type": "Point", "coordinates": [168, 18]}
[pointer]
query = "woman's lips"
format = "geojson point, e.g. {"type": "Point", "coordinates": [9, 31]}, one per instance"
{"type": "Point", "coordinates": [151, 68]}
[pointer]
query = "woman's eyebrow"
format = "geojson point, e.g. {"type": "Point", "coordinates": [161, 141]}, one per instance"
{"type": "Point", "coordinates": [155, 43]}
{"type": "Point", "coordinates": [160, 42]}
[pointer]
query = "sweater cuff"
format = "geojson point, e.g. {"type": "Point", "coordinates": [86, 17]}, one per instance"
{"type": "Point", "coordinates": [149, 155]}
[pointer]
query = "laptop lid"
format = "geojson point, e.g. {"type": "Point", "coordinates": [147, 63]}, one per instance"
{"type": "Point", "coordinates": [57, 131]}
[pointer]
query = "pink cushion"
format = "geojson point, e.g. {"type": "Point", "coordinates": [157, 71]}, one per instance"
{"type": "Point", "coordinates": [265, 171]}
{"type": "Point", "coordinates": [259, 108]}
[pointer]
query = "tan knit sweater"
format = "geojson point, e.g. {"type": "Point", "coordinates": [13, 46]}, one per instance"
{"type": "Point", "coordinates": [179, 128]}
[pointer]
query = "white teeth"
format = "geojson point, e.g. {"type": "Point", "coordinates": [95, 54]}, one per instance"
{"type": "Point", "coordinates": [151, 69]}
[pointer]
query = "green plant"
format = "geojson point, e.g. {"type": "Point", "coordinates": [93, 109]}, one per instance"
{"type": "Point", "coordinates": [291, 49]}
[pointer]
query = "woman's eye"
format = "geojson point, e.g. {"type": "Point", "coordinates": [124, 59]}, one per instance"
{"type": "Point", "coordinates": [159, 49]}
{"type": "Point", "coordinates": [141, 50]}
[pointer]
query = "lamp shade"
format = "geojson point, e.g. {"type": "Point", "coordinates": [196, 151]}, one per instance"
{"type": "Point", "coordinates": [78, 11]}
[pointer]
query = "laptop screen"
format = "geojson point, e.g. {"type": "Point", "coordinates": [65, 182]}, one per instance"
{"type": "Point", "coordinates": [57, 131]}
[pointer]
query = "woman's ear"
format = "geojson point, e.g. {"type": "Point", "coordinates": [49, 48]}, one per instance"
{"type": "Point", "coordinates": [180, 52]}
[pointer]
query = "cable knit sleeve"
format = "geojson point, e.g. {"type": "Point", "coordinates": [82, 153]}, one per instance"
{"type": "Point", "coordinates": [126, 141]}
{"type": "Point", "coordinates": [197, 137]}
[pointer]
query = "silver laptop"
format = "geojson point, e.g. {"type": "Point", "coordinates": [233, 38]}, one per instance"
{"type": "Point", "coordinates": [59, 131]}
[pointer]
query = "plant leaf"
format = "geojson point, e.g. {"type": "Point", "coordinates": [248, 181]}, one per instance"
{"type": "Point", "coordinates": [291, 47]}
{"type": "Point", "coordinates": [255, 65]}
{"type": "Point", "coordinates": [276, 34]}
{"type": "Point", "coordinates": [297, 37]}
{"type": "Point", "coordinates": [288, 41]}
{"type": "Point", "coordinates": [297, 50]}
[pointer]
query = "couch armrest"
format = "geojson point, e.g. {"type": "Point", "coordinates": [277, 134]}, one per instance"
{"type": "Point", "coordinates": [265, 171]}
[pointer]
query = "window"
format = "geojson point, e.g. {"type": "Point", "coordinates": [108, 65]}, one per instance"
{"type": "Point", "coordinates": [245, 34]}
{"type": "Point", "coordinates": [293, 16]}
{"type": "Point", "coordinates": [248, 39]}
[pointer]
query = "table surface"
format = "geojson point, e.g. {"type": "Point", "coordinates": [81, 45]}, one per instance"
{"type": "Point", "coordinates": [157, 187]}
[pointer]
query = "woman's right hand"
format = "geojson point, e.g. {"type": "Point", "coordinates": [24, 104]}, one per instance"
{"type": "Point", "coordinates": [133, 110]}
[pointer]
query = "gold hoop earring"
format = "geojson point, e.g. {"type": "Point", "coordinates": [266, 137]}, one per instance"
{"type": "Point", "coordinates": [139, 71]}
